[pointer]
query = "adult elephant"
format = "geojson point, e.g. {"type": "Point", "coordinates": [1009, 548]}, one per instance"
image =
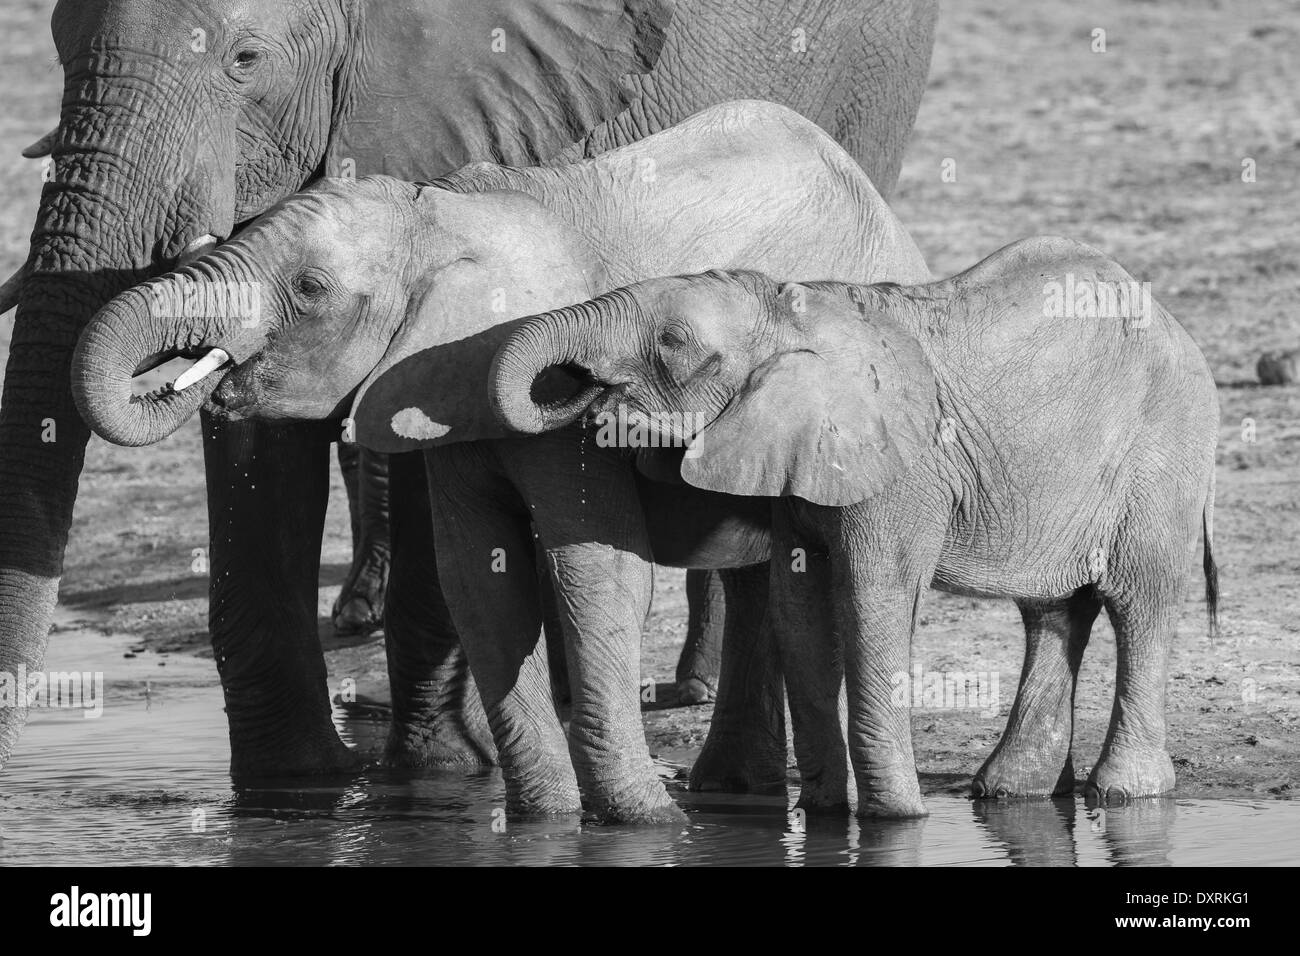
{"type": "Point", "coordinates": [180, 124]}
{"type": "Point", "coordinates": [398, 293]}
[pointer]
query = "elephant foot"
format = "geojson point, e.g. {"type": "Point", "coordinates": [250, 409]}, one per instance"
{"type": "Point", "coordinates": [889, 790]}
{"type": "Point", "coordinates": [359, 608]}
{"type": "Point", "coordinates": [694, 690]}
{"type": "Point", "coordinates": [878, 804]}
{"type": "Point", "coordinates": [325, 759]}
{"type": "Point", "coordinates": [441, 723]}
{"type": "Point", "coordinates": [731, 765]}
{"type": "Point", "coordinates": [439, 746]}
{"type": "Point", "coordinates": [650, 804]}
{"type": "Point", "coordinates": [664, 815]}
{"type": "Point", "coordinates": [1011, 776]}
{"type": "Point", "coordinates": [825, 792]}
{"type": "Point", "coordinates": [562, 802]}
{"type": "Point", "coordinates": [355, 617]}
{"type": "Point", "coordinates": [546, 788]}
{"type": "Point", "coordinates": [1125, 773]}
{"type": "Point", "coordinates": [816, 805]}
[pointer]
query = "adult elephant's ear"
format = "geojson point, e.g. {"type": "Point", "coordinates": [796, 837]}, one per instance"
{"type": "Point", "coordinates": [833, 422]}
{"type": "Point", "coordinates": [434, 84]}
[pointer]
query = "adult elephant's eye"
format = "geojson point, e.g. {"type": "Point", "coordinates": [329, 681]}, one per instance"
{"type": "Point", "coordinates": [671, 338]}
{"type": "Point", "coordinates": [309, 286]}
{"type": "Point", "coordinates": [246, 61]}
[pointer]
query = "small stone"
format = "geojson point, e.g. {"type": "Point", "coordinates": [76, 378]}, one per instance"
{"type": "Point", "coordinates": [1279, 367]}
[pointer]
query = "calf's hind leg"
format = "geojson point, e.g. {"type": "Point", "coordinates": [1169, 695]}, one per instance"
{"type": "Point", "coordinates": [1033, 757]}
{"type": "Point", "coordinates": [1143, 588]}
{"type": "Point", "coordinates": [700, 662]}
{"type": "Point", "coordinates": [1134, 762]}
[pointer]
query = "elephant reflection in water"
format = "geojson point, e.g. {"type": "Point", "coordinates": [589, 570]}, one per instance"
{"type": "Point", "coordinates": [1050, 833]}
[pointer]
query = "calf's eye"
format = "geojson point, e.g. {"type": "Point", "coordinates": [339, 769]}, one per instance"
{"type": "Point", "coordinates": [309, 286]}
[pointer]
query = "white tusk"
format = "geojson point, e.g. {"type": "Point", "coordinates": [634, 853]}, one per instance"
{"type": "Point", "coordinates": [197, 247]}
{"type": "Point", "coordinates": [201, 369]}
{"type": "Point", "coordinates": [42, 146]}
{"type": "Point", "coordinates": [10, 290]}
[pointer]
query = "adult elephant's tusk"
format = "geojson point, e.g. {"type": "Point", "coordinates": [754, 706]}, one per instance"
{"type": "Point", "coordinates": [42, 147]}
{"type": "Point", "coordinates": [10, 290]}
{"type": "Point", "coordinates": [201, 369]}
{"type": "Point", "coordinates": [197, 247]}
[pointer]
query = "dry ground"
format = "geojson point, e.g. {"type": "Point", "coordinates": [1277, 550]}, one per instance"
{"type": "Point", "coordinates": [1138, 150]}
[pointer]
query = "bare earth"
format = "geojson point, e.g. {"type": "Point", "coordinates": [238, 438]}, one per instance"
{"type": "Point", "coordinates": [1138, 150]}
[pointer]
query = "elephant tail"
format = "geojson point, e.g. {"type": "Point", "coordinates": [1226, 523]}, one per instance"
{"type": "Point", "coordinates": [1211, 569]}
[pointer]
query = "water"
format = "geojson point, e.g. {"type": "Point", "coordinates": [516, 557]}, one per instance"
{"type": "Point", "coordinates": [147, 783]}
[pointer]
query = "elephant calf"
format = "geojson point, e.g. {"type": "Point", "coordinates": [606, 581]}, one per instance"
{"type": "Point", "coordinates": [381, 303]}
{"type": "Point", "coordinates": [999, 433]}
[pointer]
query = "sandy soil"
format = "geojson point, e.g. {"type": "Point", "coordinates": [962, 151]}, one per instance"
{"type": "Point", "coordinates": [1138, 150]}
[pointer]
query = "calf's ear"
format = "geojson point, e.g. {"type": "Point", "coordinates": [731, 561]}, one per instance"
{"type": "Point", "coordinates": [507, 257]}
{"type": "Point", "coordinates": [833, 423]}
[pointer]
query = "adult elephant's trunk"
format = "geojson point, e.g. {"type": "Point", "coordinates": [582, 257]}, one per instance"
{"type": "Point", "coordinates": [127, 191]}
{"type": "Point", "coordinates": [187, 313]}
{"type": "Point", "coordinates": [553, 366]}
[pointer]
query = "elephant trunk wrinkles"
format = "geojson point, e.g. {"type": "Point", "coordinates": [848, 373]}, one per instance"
{"type": "Point", "coordinates": [568, 339]}
{"type": "Point", "coordinates": [208, 303]}
{"type": "Point", "coordinates": [119, 200]}
{"type": "Point", "coordinates": [106, 357]}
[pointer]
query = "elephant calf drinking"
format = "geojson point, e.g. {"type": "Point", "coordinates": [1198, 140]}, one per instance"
{"type": "Point", "coordinates": [383, 302]}
{"type": "Point", "coordinates": [980, 435]}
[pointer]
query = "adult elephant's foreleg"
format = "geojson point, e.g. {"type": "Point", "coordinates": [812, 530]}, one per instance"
{"type": "Point", "coordinates": [701, 658]}
{"type": "Point", "coordinates": [487, 566]}
{"type": "Point", "coordinates": [438, 717]}
{"type": "Point", "coordinates": [42, 447]}
{"type": "Point", "coordinates": [745, 751]}
{"type": "Point", "coordinates": [812, 661]}
{"type": "Point", "coordinates": [584, 503]}
{"type": "Point", "coordinates": [267, 492]}
{"type": "Point", "coordinates": [359, 608]}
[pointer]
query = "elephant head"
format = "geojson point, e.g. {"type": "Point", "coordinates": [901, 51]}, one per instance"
{"type": "Point", "coordinates": [814, 390]}
{"type": "Point", "coordinates": [350, 285]}
{"type": "Point", "coordinates": [178, 124]}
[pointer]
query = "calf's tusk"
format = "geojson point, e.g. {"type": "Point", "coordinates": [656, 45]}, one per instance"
{"type": "Point", "coordinates": [197, 247]}
{"type": "Point", "coordinates": [201, 369]}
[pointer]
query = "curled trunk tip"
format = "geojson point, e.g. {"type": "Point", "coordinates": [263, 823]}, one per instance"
{"type": "Point", "coordinates": [104, 362]}
{"type": "Point", "coordinates": [556, 340]}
